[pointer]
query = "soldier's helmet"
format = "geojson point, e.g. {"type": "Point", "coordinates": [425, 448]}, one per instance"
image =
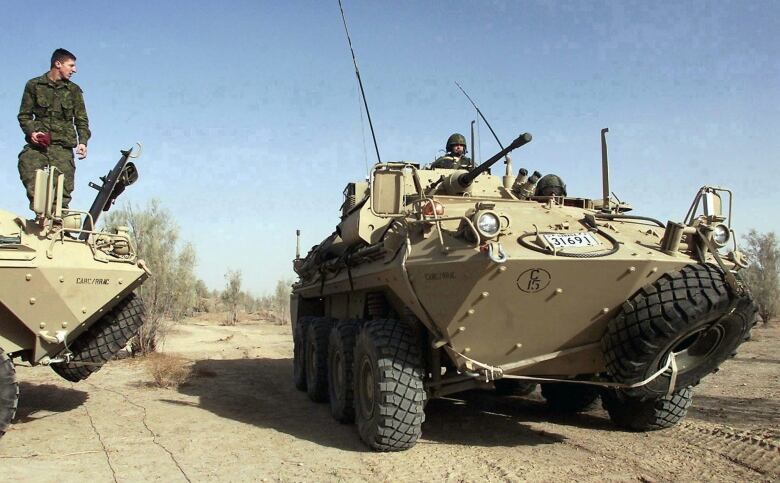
{"type": "Point", "coordinates": [550, 185]}
{"type": "Point", "coordinates": [456, 138]}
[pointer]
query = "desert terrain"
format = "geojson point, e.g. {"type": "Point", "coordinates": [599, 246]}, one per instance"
{"type": "Point", "coordinates": [238, 418]}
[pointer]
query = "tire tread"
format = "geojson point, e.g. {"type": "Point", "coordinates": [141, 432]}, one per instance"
{"type": "Point", "coordinates": [103, 340]}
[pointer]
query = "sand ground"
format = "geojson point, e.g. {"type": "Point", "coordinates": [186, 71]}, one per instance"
{"type": "Point", "coordinates": [240, 419]}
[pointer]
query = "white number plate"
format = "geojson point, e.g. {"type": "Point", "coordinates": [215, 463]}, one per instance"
{"type": "Point", "coordinates": [566, 240]}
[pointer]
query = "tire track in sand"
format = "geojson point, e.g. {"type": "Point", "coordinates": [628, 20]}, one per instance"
{"type": "Point", "coordinates": [750, 450]}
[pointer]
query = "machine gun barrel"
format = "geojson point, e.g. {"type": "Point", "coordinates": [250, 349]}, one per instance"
{"type": "Point", "coordinates": [467, 178]}
{"type": "Point", "coordinates": [122, 175]}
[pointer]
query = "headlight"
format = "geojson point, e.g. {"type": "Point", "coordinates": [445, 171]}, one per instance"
{"type": "Point", "coordinates": [488, 224]}
{"type": "Point", "coordinates": [721, 234]}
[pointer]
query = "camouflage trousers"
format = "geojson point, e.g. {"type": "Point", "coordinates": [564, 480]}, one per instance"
{"type": "Point", "coordinates": [32, 158]}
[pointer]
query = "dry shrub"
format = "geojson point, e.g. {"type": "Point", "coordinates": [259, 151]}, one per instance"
{"type": "Point", "coordinates": [231, 296]}
{"type": "Point", "coordinates": [172, 291]}
{"type": "Point", "coordinates": [168, 370]}
{"type": "Point", "coordinates": [763, 273]}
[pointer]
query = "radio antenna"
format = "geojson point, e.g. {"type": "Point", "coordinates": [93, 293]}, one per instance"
{"type": "Point", "coordinates": [360, 83]}
{"type": "Point", "coordinates": [480, 115]}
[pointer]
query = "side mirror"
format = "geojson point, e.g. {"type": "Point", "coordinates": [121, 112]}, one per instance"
{"type": "Point", "coordinates": [387, 193]}
{"type": "Point", "coordinates": [713, 206]}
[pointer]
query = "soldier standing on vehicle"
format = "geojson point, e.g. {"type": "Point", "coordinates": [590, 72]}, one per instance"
{"type": "Point", "coordinates": [54, 121]}
{"type": "Point", "coordinates": [456, 154]}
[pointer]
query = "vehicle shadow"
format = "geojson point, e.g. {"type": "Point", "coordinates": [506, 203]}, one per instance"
{"type": "Point", "coordinates": [260, 392]}
{"type": "Point", "coordinates": [485, 418]}
{"type": "Point", "coordinates": [38, 401]}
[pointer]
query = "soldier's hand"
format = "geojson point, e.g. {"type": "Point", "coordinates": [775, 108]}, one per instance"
{"type": "Point", "coordinates": [81, 151]}
{"type": "Point", "coordinates": [34, 136]}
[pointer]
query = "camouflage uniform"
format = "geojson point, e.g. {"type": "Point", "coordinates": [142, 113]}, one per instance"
{"type": "Point", "coordinates": [57, 108]}
{"type": "Point", "coordinates": [452, 160]}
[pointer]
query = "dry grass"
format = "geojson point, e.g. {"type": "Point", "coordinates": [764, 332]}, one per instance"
{"type": "Point", "coordinates": [168, 370]}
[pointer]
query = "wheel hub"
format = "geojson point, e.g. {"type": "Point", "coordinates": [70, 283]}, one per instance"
{"type": "Point", "coordinates": [695, 347]}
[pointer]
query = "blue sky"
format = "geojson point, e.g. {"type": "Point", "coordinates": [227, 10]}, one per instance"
{"type": "Point", "coordinates": [251, 124]}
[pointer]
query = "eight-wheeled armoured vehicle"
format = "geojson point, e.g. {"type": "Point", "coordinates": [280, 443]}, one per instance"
{"type": "Point", "coordinates": [438, 281]}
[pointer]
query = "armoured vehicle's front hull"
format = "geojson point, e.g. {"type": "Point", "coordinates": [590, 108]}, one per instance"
{"type": "Point", "coordinates": [52, 286]}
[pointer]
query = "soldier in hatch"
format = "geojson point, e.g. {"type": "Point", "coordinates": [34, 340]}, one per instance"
{"type": "Point", "coordinates": [550, 185]}
{"type": "Point", "coordinates": [54, 121]}
{"type": "Point", "coordinates": [456, 154]}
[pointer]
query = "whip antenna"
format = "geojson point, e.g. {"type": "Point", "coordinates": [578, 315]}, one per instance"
{"type": "Point", "coordinates": [360, 82]}
{"type": "Point", "coordinates": [480, 115]}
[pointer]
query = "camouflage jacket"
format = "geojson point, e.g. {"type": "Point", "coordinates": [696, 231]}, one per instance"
{"type": "Point", "coordinates": [451, 161]}
{"type": "Point", "coordinates": [54, 107]}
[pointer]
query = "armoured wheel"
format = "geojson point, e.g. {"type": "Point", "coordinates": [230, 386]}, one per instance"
{"type": "Point", "coordinates": [317, 334]}
{"type": "Point", "coordinates": [103, 340]}
{"type": "Point", "coordinates": [570, 398]}
{"type": "Point", "coordinates": [633, 413]}
{"type": "Point", "coordinates": [9, 392]}
{"type": "Point", "coordinates": [299, 352]}
{"type": "Point", "coordinates": [341, 349]}
{"type": "Point", "coordinates": [691, 313]}
{"type": "Point", "coordinates": [514, 387]}
{"type": "Point", "coordinates": [389, 388]}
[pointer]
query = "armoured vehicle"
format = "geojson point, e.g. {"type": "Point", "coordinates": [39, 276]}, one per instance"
{"type": "Point", "coordinates": [66, 290]}
{"type": "Point", "coordinates": [438, 281]}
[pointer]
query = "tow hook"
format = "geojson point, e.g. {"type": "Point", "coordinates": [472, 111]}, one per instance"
{"type": "Point", "coordinates": [496, 254]}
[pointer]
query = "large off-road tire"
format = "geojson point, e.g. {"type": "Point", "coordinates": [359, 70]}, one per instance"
{"type": "Point", "coordinates": [570, 398]}
{"type": "Point", "coordinates": [317, 334]}
{"type": "Point", "coordinates": [299, 351]}
{"type": "Point", "coordinates": [692, 313]}
{"type": "Point", "coordinates": [389, 392]}
{"type": "Point", "coordinates": [638, 414]}
{"type": "Point", "coordinates": [9, 392]}
{"type": "Point", "coordinates": [514, 387]}
{"type": "Point", "coordinates": [101, 342]}
{"type": "Point", "coordinates": [341, 356]}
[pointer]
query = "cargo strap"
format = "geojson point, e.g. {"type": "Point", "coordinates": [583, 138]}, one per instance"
{"type": "Point", "coordinates": [66, 356]}
{"type": "Point", "coordinates": [490, 373]}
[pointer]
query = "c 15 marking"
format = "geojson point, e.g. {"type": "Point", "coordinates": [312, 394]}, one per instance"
{"type": "Point", "coordinates": [534, 280]}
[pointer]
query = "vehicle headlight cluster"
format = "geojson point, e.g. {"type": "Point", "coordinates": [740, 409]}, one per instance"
{"type": "Point", "coordinates": [487, 223]}
{"type": "Point", "coordinates": [721, 234]}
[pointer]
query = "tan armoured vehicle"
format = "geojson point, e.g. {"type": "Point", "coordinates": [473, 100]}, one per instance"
{"type": "Point", "coordinates": [66, 291]}
{"type": "Point", "coordinates": [438, 281]}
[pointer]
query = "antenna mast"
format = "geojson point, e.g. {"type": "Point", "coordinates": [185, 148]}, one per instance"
{"type": "Point", "coordinates": [360, 82]}
{"type": "Point", "coordinates": [480, 115]}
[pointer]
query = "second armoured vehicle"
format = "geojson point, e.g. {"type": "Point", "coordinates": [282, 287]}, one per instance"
{"type": "Point", "coordinates": [66, 291]}
{"type": "Point", "coordinates": [438, 281]}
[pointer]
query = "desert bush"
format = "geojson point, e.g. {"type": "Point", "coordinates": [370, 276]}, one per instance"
{"type": "Point", "coordinates": [763, 273]}
{"type": "Point", "coordinates": [231, 296]}
{"type": "Point", "coordinates": [203, 296]}
{"type": "Point", "coordinates": [170, 293]}
{"type": "Point", "coordinates": [168, 370]}
{"type": "Point", "coordinates": [281, 301]}
{"type": "Point", "coordinates": [275, 306]}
